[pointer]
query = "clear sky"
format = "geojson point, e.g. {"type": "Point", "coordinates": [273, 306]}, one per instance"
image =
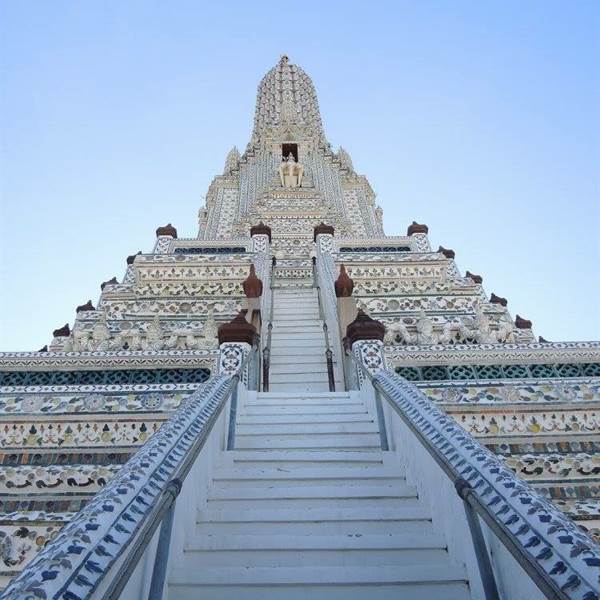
{"type": "Point", "coordinates": [480, 119]}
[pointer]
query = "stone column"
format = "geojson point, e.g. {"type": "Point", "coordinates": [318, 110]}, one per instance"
{"type": "Point", "coordinates": [261, 237]}
{"type": "Point", "coordinates": [323, 237]}
{"type": "Point", "coordinates": [235, 341]}
{"type": "Point", "coordinates": [164, 235]}
{"type": "Point", "coordinates": [419, 232]}
{"type": "Point", "coordinates": [365, 337]}
{"type": "Point", "coordinates": [346, 310]}
{"type": "Point", "coordinates": [261, 246]}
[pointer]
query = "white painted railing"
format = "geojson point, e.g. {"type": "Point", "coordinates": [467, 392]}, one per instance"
{"type": "Point", "coordinates": [325, 277]}
{"type": "Point", "coordinates": [531, 548]}
{"type": "Point", "coordinates": [111, 549]}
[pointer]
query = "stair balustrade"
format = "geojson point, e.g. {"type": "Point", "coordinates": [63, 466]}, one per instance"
{"type": "Point", "coordinates": [522, 546]}
{"type": "Point", "coordinates": [268, 335]}
{"type": "Point", "coordinates": [323, 278]}
{"type": "Point", "coordinates": [113, 547]}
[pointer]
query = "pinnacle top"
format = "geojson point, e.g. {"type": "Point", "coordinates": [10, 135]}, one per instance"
{"type": "Point", "coordinates": [287, 96]}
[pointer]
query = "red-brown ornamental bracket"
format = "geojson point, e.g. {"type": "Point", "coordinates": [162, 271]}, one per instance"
{"type": "Point", "coordinates": [475, 278]}
{"type": "Point", "coordinates": [321, 228]}
{"type": "Point", "coordinates": [498, 300]}
{"type": "Point", "coordinates": [131, 258]}
{"type": "Point", "coordinates": [521, 323]}
{"type": "Point", "coordinates": [237, 331]}
{"type": "Point", "coordinates": [253, 286]}
{"type": "Point", "coordinates": [260, 229]}
{"type": "Point", "coordinates": [447, 252]}
{"type": "Point", "coordinates": [112, 281]}
{"type": "Point", "coordinates": [64, 331]}
{"type": "Point", "coordinates": [343, 284]}
{"type": "Point", "coordinates": [85, 307]}
{"type": "Point", "coordinates": [415, 227]}
{"type": "Point", "coordinates": [364, 328]}
{"type": "Point", "coordinates": [168, 230]}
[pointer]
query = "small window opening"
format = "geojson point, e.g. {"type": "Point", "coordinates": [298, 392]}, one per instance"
{"type": "Point", "coordinates": [287, 148]}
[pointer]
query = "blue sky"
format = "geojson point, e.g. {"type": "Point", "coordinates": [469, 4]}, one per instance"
{"type": "Point", "coordinates": [480, 119]}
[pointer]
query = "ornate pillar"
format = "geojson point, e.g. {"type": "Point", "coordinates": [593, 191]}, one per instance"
{"type": "Point", "coordinates": [419, 232]}
{"type": "Point", "coordinates": [323, 237]}
{"type": "Point", "coordinates": [365, 337]}
{"type": "Point", "coordinates": [261, 237]}
{"type": "Point", "coordinates": [261, 246]}
{"type": "Point", "coordinates": [164, 235]}
{"type": "Point", "coordinates": [235, 341]}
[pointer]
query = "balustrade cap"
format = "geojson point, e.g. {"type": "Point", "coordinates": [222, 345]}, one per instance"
{"type": "Point", "coordinates": [498, 300]}
{"type": "Point", "coordinates": [415, 227]}
{"type": "Point", "coordinates": [112, 281]}
{"type": "Point", "coordinates": [238, 330]}
{"type": "Point", "coordinates": [131, 258]}
{"type": "Point", "coordinates": [64, 331]}
{"type": "Point", "coordinates": [343, 284]}
{"type": "Point", "coordinates": [364, 328]}
{"type": "Point", "coordinates": [475, 278]}
{"type": "Point", "coordinates": [167, 230]}
{"type": "Point", "coordinates": [260, 229]}
{"type": "Point", "coordinates": [253, 286]}
{"type": "Point", "coordinates": [447, 252]}
{"type": "Point", "coordinates": [321, 228]}
{"type": "Point", "coordinates": [521, 323]}
{"type": "Point", "coordinates": [85, 307]}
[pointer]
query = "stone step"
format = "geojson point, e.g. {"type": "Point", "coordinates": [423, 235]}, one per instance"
{"type": "Point", "coordinates": [320, 386]}
{"type": "Point", "coordinates": [300, 557]}
{"type": "Point", "coordinates": [307, 409]}
{"type": "Point", "coordinates": [302, 400]}
{"type": "Point", "coordinates": [269, 483]}
{"type": "Point", "coordinates": [394, 491]}
{"type": "Point", "coordinates": [307, 363]}
{"type": "Point", "coordinates": [295, 368]}
{"type": "Point", "coordinates": [308, 458]}
{"type": "Point", "coordinates": [298, 348]}
{"type": "Point", "coordinates": [305, 429]}
{"type": "Point", "coordinates": [410, 581]}
{"type": "Point", "coordinates": [297, 325]}
{"type": "Point", "coordinates": [316, 542]}
{"type": "Point", "coordinates": [308, 441]}
{"type": "Point", "coordinates": [296, 419]}
{"type": "Point", "coordinates": [286, 338]}
{"type": "Point", "coordinates": [331, 591]}
{"type": "Point", "coordinates": [219, 504]}
{"type": "Point", "coordinates": [310, 526]}
{"type": "Point", "coordinates": [301, 377]}
{"type": "Point", "coordinates": [304, 475]}
{"type": "Point", "coordinates": [323, 395]}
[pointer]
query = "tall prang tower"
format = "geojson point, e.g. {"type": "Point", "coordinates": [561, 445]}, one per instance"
{"type": "Point", "coordinates": [288, 135]}
{"type": "Point", "coordinates": [291, 259]}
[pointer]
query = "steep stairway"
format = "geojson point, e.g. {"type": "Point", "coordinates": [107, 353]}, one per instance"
{"type": "Point", "coordinates": [298, 362]}
{"type": "Point", "coordinates": [307, 507]}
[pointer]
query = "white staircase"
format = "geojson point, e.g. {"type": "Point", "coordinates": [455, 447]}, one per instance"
{"type": "Point", "coordinates": [309, 507]}
{"type": "Point", "coordinates": [298, 362]}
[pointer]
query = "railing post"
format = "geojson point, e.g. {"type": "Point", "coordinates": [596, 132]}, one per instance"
{"type": "Point", "coordinates": [161, 558]}
{"type": "Point", "coordinates": [365, 337]}
{"type": "Point", "coordinates": [486, 573]}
